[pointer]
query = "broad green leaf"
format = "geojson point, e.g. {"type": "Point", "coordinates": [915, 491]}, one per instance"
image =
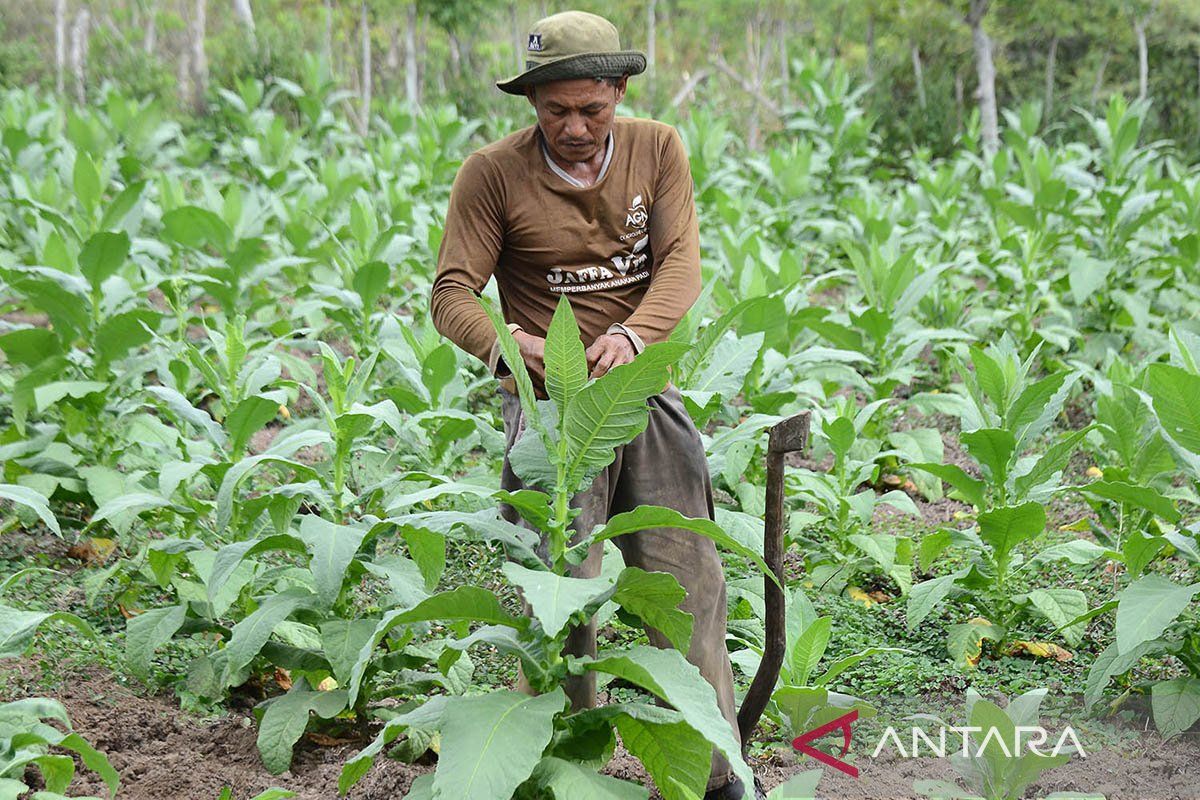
{"type": "Point", "coordinates": [673, 753]}
{"type": "Point", "coordinates": [965, 640]}
{"type": "Point", "coordinates": [341, 641]}
{"type": "Point", "coordinates": [18, 627]}
{"type": "Point", "coordinates": [566, 366]}
{"type": "Point", "coordinates": [25, 496]}
{"type": "Point", "coordinates": [992, 448]}
{"type": "Point", "coordinates": [239, 471]}
{"type": "Point", "coordinates": [669, 676]}
{"type": "Point", "coordinates": [229, 557]}
{"type": "Point", "coordinates": [1174, 392]}
{"type": "Point", "coordinates": [196, 227]}
{"type": "Point", "coordinates": [648, 517]}
{"type": "Point", "coordinates": [371, 281]}
{"type": "Point", "coordinates": [491, 743]}
{"type": "Point", "coordinates": [102, 255]}
{"type": "Point", "coordinates": [925, 596]}
{"type": "Point", "coordinates": [554, 598]}
{"type": "Point", "coordinates": [332, 548]}
{"type": "Point", "coordinates": [1110, 662]}
{"type": "Point", "coordinates": [566, 780]}
{"type": "Point", "coordinates": [726, 371]}
{"type": "Point", "coordinates": [248, 417]}
{"type": "Point", "coordinates": [121, 333]}
{"type": "Point", "coordinates": [285, 719]}
{"type": "Point", "coordinates": [148, 631]}
{"type": "Point", "coordinates": [134, 503]}
{"type": "Point", "coordinates": [1176, 705]}
{"type": "Point", "coordinates": [802, 786]}
{"type": "Point", "coordinates": [611, 411]}
{"type": "Point", "coordinates": [1050, 463]}
{"type": "Point", "coordinates": [48, 394]}
{"type": "Point", "coordinates": [465, 604]}
{"type": "Point", "coordinates": [93, 759]}
{"type": "Point", "coordinates": [1060, 606]}
{"type": "Point", "coordinates": [510, 351]}
{"type": "Point", "coordinates": [1004, 527]}
{"type": "Point", "coordinates": [808, 650]}
{"type": "Point", "coordinates": [654, 597]}
{"type": "Point", "coordinates": [1144, 497]}
{"type": "Point", "coordinates": [1077, 551]}
{"type": "Point", "coordinates": [248, 636]}
{"type": "Point", "coordinates": [972, 489]}
{"type": "Point", "coordinates": [86, 180]}
{"type": "Point", "coordinates": [1147, 607]}
{"type": "Point", "coordinates": [428, 714]}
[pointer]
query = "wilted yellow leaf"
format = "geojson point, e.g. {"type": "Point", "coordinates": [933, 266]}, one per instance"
{"type": "Point", "coordinates": [859, 596]}
{"type": "Point", "coordinates": [1040, 650]}
{"type": "Point", "coordinates": [327, 685]}
{"type": "Point", "coordinates": [92, 550]}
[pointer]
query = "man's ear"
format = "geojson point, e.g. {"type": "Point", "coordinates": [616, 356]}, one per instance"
{"type": "Point", "coordinates": [621, 87]}
{"type": "Point", "coordinates": [529, 95]}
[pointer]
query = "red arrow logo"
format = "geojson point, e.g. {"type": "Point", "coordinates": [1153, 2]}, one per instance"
{"type": "Point", "coordinates": [842, 723]}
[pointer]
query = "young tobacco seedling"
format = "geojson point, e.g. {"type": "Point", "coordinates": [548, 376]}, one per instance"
{"type": "Point", "coordinates": [1005, 415]}
{"type": "Point", "coordinates": [508, 744]}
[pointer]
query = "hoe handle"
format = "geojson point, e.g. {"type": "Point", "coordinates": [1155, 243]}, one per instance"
{"type": "Point", "coordinates": [788, 436]}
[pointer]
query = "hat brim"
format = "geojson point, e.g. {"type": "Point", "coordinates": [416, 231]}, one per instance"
{"type": "Point", "coordinates": [580, 65]}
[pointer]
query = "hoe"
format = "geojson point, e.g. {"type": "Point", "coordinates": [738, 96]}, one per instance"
{"type": "Point", "coordinates": [788, 436]}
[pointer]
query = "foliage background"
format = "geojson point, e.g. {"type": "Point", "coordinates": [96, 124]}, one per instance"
{"type": "Point", "coordinates": [460, 47]}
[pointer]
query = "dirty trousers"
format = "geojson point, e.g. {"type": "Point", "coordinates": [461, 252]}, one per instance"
{"type": "Point", "coordinates": [665, 466]}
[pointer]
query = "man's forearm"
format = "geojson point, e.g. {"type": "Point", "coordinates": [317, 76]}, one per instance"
{"type": "Point", "coordinates": [458, 315]}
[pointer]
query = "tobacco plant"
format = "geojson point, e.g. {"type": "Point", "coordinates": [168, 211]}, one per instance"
{"type": "Point", "coordinates": [505, 743]}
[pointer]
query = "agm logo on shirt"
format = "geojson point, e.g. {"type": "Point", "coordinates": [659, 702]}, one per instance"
{"type": "Point", "coordinates": [637, 215]}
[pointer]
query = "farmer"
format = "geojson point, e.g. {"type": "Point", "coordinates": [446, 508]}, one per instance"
{"type": "Point", "coordinates": [599, 208]}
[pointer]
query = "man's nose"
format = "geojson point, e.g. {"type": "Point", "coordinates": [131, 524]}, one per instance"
{"type": "Point", "coordinates": [576, 127]}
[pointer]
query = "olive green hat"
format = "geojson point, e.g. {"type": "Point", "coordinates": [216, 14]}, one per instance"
{"type": "Point", "coordinates": [573, 44]}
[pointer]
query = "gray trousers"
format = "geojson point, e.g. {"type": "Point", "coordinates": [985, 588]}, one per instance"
{"type": "Point", "coordinates": [663, 466]}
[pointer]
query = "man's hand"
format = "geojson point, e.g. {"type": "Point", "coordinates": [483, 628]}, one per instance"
{"type": "Point", "coordinates": [533, 352]}
{"type": "Point", "coordinates": [608, 351]}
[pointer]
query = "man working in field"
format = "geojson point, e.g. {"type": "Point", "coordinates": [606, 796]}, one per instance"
{"type": "Point", "coordinates": [600, 208]}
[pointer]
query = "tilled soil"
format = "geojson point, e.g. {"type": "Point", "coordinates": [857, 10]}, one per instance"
{"type": "Point", "coordinates": [164, 754]}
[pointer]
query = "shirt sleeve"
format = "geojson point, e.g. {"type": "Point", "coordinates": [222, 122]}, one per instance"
{"type": "Point", "coordinates": [675, 244]}
{"type": "Point", "coordinates": [471, 243]}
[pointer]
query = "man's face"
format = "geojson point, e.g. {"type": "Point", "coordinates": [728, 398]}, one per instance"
{"type": "Point", "coordinates": [576, 115]}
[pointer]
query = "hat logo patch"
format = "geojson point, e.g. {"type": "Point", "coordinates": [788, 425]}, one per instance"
{"type": "Point", "coordinates": [535, 43]}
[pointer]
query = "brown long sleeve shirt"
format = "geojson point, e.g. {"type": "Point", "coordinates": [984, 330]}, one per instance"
{"type": "Point", "coordinates": [625, 250]}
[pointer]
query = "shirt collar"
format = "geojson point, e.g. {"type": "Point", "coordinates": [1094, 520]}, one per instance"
{"type": "Point", "coordinates": [571, 179]}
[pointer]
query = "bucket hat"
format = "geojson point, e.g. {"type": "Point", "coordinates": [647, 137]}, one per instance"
{"type": "Point", "coordinates": [573, 44]}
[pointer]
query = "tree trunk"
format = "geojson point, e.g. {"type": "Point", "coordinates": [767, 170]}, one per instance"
{"type": "Point", "coordinates": [364, 113]}
{"type": "Point", "coordinates": [1099, 83]}
{"type": "Point", "coordinates": [919, 75]}
{"type": "Point", "coordinates": [651, 36]}
{"type": "Point", "coordinates": [245, 17]}
{"type": "Point", "coordinates": [412, 85]}
{"type": "Point", "coordinates": [391, 61]}
{"type": "Point", "coordinates": [183, 77]}
{"type": "Point", "coordinates": [958, 101]}
{"type": "Point", "coordinates": [870, 46]}
{"type": "Point", "coordinates": [455, 56]}
{"type": "Point", "coordinates": [1139, 30]}
{"type": "Point", "coordinates": [199, 59]}
{"type": "Point", "coordinates": [1051, 57]}
{"type": "Point", "coordinates": [518, 43]}
{"type": "Point", "coordinates": [79, 48]}
{"type": "Point", "coordinates": [60, 46]}
{"type": "Point", "coordinates": [986, 71]}
{"type": "Point", "coordinates": [150, 32]}
{"type": "Point", "coordinates": [785, 65]}
{"type": "Point", "coordinates": [328, 43]}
